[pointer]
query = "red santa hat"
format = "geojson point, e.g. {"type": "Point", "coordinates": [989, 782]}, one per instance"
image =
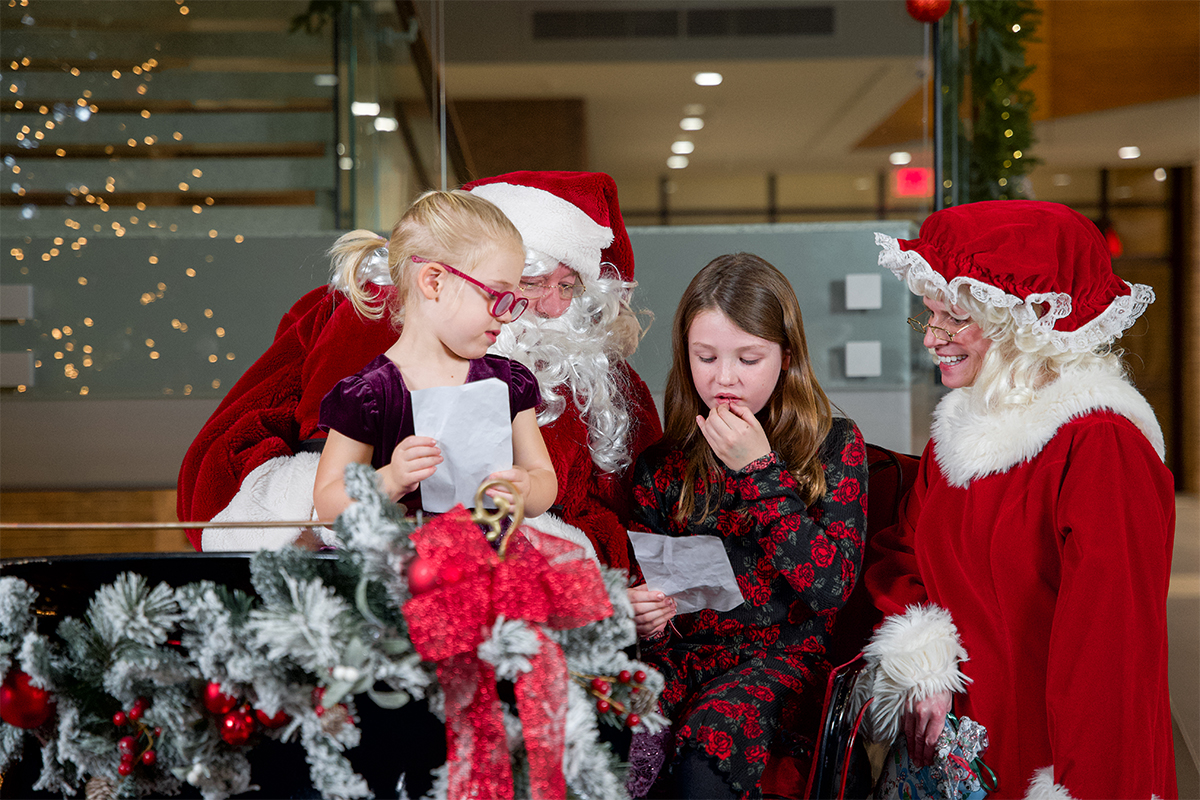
{"type": "Point", "coordinates": [1048, 264]}
{"type": "Point", "coordinates": [573, 217]}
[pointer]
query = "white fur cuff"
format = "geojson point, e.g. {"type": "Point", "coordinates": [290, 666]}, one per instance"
{"type": "Point", "coordinates": [911, 656]}
{"type": "Point", "coordinates": [1043, 787]}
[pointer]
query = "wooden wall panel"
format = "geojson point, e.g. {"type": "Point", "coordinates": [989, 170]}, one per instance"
{"type": "Point", "coordinates": [98, 506]}
{"type": "Point", "coordinates": [508, 135]}
{"type": "Point", "coordinates": [1102, 54]}
{"type": "Point", "coordinates": [1189, 360]}
{"type": "Point", "coordinates": [1092, 55]}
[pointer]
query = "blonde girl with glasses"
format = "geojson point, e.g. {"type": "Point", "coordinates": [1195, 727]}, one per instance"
{"type": "Point", "coordinates": [456, 263]}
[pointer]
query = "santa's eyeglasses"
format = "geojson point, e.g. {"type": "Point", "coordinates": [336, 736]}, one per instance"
{"type": "Point", "coordinates": [506, 302]}
{"type": "Point", "coordinates": [538, 290]}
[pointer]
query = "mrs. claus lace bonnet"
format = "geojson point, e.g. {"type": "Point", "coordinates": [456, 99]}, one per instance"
{"type": "Point", "coordinates": [1022, 255]}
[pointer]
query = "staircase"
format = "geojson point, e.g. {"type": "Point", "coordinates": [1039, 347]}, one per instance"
{"type": "Point", "coordinates": [161, 117]}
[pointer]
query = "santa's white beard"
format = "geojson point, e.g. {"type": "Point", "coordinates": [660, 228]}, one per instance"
{"type": "Point", "coordinates": [575, 351]}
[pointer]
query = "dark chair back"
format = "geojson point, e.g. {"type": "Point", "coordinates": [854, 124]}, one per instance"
{"type": "Point", "coordinates": [838, 764]}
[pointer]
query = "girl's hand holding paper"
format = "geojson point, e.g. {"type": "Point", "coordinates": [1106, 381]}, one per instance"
{"type": "Point", "coordinates": [694, 571]}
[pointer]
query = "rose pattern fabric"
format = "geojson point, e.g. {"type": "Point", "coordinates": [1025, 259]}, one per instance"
{"type": "Point", "coordinates": [746, 682]}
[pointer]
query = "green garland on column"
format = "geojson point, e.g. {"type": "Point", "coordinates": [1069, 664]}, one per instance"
{"type": "Point", "coordinates": [995, 140]}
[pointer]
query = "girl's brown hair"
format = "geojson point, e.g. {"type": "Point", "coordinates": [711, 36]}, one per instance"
{"type": "Point", "coordinates": [757, 298]}
{"type": "Point", "coordinates": [454, 227]}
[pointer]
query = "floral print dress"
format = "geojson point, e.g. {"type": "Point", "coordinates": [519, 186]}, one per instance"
{"type": "Point", "coordinates": [746, 682]}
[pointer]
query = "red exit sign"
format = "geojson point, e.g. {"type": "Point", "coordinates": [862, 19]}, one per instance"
{"type": "Point", "coordinates": [913, 182]}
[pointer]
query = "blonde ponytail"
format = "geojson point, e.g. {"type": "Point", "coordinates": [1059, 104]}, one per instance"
{"type": "Point", "coordinates": [347, 257]}
{"type": "Point", "coordinates": [454, 227]}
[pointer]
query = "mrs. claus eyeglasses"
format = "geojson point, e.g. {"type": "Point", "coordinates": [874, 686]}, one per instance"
{"type": "Point", "coordinates": [920, 326]}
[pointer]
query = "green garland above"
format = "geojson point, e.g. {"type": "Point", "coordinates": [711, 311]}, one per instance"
{"type": "Point", "coordinates": [157, 686]}
{"type": "Point", "coordinates": [998, 133]}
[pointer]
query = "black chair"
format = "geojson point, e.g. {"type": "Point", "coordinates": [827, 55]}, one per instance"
{"type": "Point", "coordinates": [841, 768]}
{"type": "Point", "coordinates": [840, 765]}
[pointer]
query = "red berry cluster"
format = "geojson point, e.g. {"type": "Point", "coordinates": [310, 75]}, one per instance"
{"type": "Point", "coordinates": [601, 687]}
{"type": "Point", "coordinates": [139, 745]}
{"type": "Point", "coordinates": [318, 698]}
{"type": "Point", "coordinates": [238, 719]}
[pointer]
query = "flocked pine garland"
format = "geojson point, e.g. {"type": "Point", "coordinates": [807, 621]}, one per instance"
{"type": "Point", "coordinates": [156, 687]}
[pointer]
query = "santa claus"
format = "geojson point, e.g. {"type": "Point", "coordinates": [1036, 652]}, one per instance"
{"type": "Point", "coordinates": [255, 458]}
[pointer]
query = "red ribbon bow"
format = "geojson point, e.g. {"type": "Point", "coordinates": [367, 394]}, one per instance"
{"type": "Point", "coordinates": [539, 581]}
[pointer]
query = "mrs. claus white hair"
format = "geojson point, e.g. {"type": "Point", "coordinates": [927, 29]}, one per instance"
{"type": "Point", "coordinates": [1020, 360]}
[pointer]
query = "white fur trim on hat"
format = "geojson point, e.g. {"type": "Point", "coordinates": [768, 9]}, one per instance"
{"type": "Point", "coordinates": [911, 656]}
{"type": "Point", "coordinates": [548, 523]}
{"type": "Point", "coordinates": [968, 444]}
{"type": "Point", "coordinates": [1121, 313]}
{"type": "Point", "coordinates": [551, 225]}
{"type": "Point", "coordinates": [278, 489]}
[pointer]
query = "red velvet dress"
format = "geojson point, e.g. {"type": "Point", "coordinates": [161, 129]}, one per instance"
{"type": "Point", "coordinates": [374, 406]}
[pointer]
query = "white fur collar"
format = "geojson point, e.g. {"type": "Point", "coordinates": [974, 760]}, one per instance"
{"type": "Point", "coordinates": [969, 445]}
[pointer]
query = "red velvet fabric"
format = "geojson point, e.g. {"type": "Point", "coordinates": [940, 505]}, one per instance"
{"type": "Point", "coordinates": [1024, 247]}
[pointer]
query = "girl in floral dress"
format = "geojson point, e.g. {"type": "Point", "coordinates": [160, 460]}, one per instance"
{"type": "Point", "coordinates": [753, 455]}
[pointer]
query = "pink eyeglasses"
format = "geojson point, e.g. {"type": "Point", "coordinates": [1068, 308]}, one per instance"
{"type": "Point", "coordinates": [505, 301]}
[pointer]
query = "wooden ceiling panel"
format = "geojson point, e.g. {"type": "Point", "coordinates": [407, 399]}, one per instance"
{"type": "Point", "coordinates": [1093, 55]}
{"type": "Point", "coordinates": [1103, 54]}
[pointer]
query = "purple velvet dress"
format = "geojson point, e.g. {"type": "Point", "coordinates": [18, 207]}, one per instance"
{"type": "Point", "coordinates": [374, 406]}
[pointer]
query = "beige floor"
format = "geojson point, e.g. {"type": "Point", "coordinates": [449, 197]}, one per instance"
{"type": "Point", "coordinates": [1183, 621]}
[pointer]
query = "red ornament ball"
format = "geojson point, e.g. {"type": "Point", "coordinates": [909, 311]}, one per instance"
{"type": "Point", "coordinates": [927, 10]}
{"type": "Point", "coordinates": [279, 720]}
{"type": "Point", "coordinates": [119, 719]}
{"type": "Point", "coordinates": [237, 727]}
{"type": "Point", "coordinates": [22, 705]}
{"type": "Point", "coordinates": [422, 575]}
{"type": "Point", "coordinates": [216, 701]}
{"type": "Point", "coordinates": [603, 706]}
{"type": "Point", "coordinates": [639, 676]}
{"type": "Point", "coordinates": [126, 744]}
{"type": "Point", "coordinates": [624, 676]}
{"type": "Point", "coordinates": [149, 757]}
{"type": "Point", "coordinates": [633, 720]}
{"type": "Point", "coordinates": [125, 768]}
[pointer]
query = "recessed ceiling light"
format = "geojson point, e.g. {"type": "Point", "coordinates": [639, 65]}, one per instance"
{"type": "Point", "coordinates": [386, 124]}
{"type": "Point", "coordinates": [364, 109]}
{"type": "Point", "coordinates": [677, 162]}
{"type": "Point", "coordinates": [691, 123]}
{"type": "Point", "coordinates": [900, 158]}
{"type": "Point", "coordinates": [1160, 174]}
{"type": "Point", "coordinates": [682, 148]}
{"type": "Point", "coordinates": [694, 110]}
{"type": "Point", "coordinates": [1129, 152]}
{"type": "Point", "coordinates": [707, 78]}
